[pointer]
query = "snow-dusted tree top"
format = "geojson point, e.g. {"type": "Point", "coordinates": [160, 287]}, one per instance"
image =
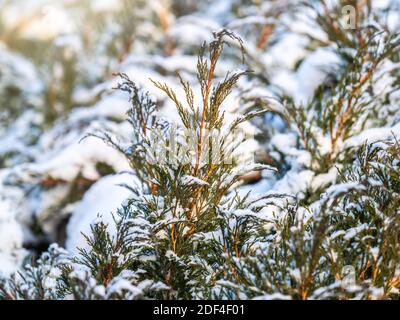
{"type": "Point", "coordinates": [182, 149]}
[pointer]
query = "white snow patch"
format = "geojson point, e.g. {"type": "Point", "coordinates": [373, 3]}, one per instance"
{"type": "Point", "coordinates": [103, 198]}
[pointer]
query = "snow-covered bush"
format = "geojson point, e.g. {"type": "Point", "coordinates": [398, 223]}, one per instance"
{"type": "Point", "coordinates": [175, 200]}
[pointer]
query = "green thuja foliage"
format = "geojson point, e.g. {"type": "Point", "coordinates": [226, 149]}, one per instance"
{"type": "Point", "coordinates": [344, 246]}
{"type": "Point", "coordinates": [187, 232]}
{"type": "Point", "coordinates": [368, 231]}
{"type": "Point", "coordinates": [338, 111]}
{"type": "Point", "coordinates": [38, 281]}
{"type": "Point", "coordinates": [180, 230]}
